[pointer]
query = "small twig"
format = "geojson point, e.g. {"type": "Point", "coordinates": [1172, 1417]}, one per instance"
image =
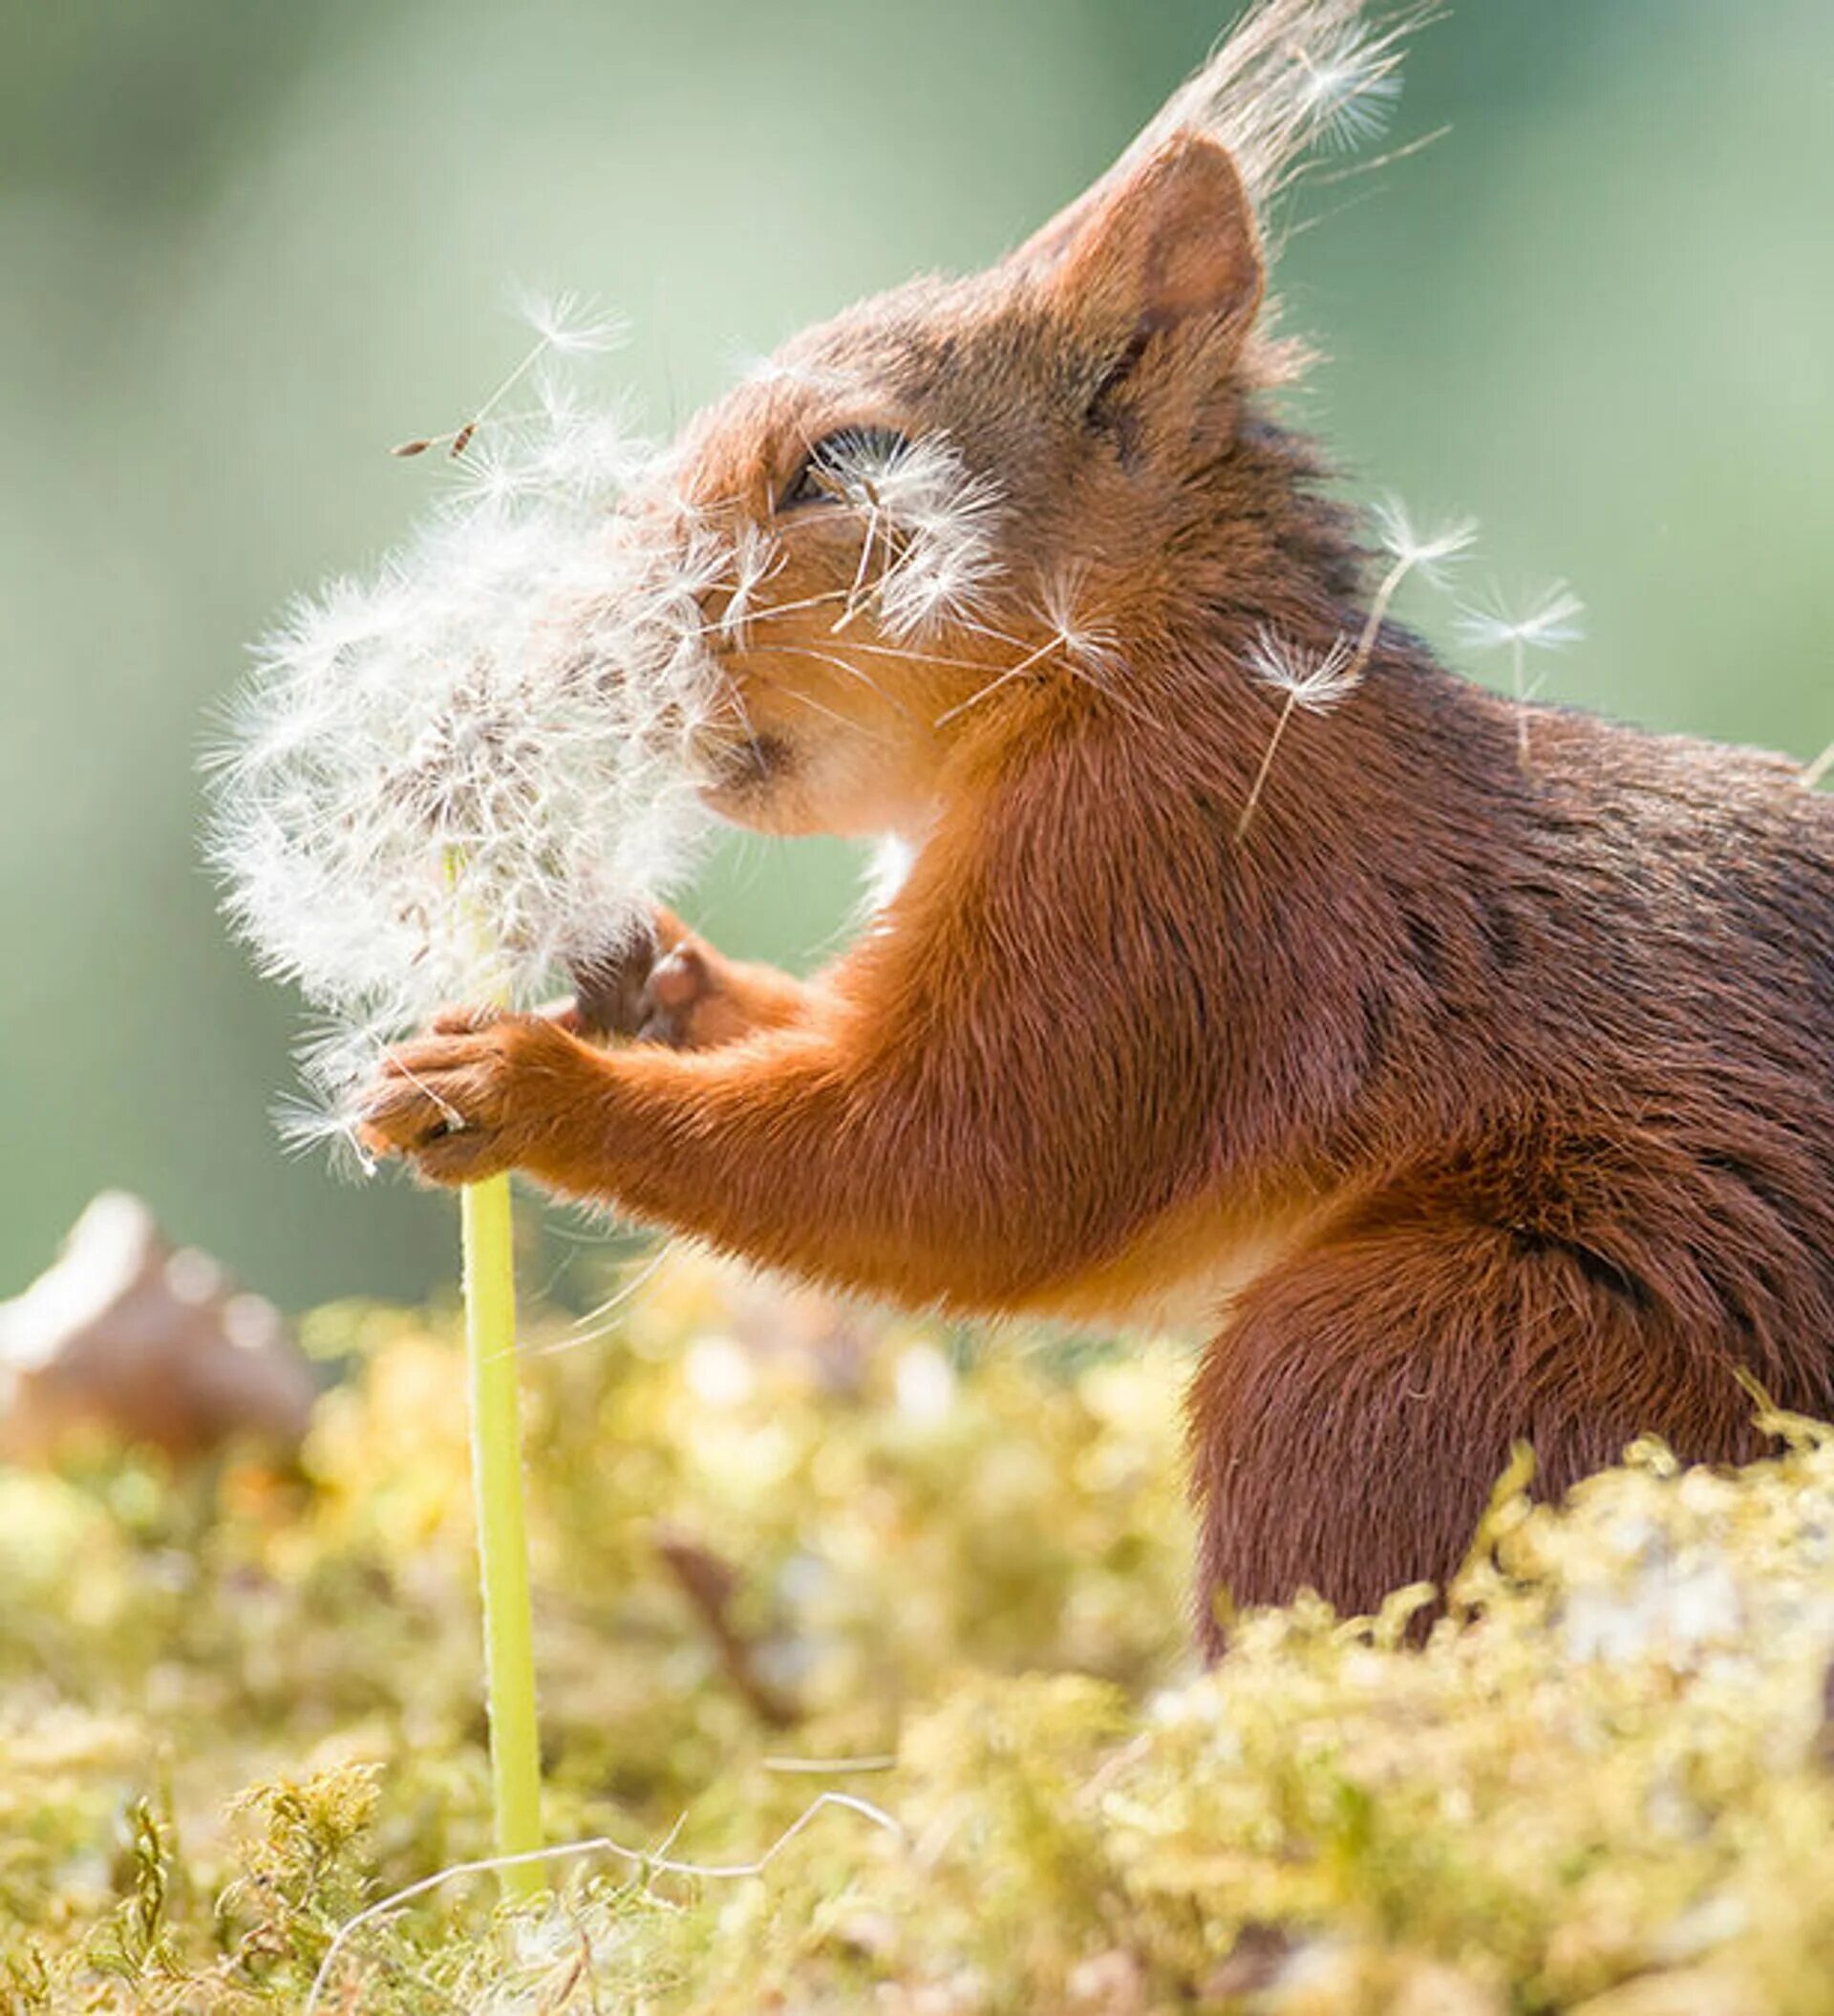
{"type": "Point", "coordinates": [831, 1766]}
{"type": "Point", "coordinates": [709, 1584]}
{"type": "Point", "coordinates": [600, 1844]}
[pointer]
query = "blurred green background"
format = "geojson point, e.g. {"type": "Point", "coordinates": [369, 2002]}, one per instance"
{"type": "Point", "coordinates": [246, 244]}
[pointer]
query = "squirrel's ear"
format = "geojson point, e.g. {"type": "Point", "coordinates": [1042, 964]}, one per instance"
{"type": "Point", "coordinates": [1156, 243]}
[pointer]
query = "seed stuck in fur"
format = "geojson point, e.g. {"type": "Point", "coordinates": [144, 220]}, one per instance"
{"type": "Point", "coordinates": [1547, 622]}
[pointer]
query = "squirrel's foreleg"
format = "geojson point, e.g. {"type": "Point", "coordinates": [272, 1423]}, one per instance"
{"type": "Point", "coordinates": [904, 1173]}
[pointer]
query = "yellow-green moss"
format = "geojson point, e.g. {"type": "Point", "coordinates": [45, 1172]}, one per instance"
{"type": "Point", "coordinates": [236, 1709]}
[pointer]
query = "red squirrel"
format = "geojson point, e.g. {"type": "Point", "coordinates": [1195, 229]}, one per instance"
{"type": "Point", "coordinates": [1478, 1088]}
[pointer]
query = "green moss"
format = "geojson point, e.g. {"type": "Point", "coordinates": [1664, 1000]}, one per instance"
{"type": "Point", "coordinates": [236, 1709]}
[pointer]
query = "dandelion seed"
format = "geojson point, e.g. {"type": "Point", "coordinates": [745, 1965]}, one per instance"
{"type": "Point", "coordinates": [1426, 553]}
{"type": "Point", "coordinates": [1409, 549]}
{"type": "Point", "coordinates": [307, 1126]}
{"type": "Point", "coordinates": [1318, 682]}
{"type": "Point", "coordinates": [1085, 647]}
{"type": "Point", "coordinates": [934, 581]}
{"type": "Point", "coordinates": [1547, 622]}
{"type": "Point", "coordinates": [1313, 681]}
{"type": "Point", "coordinates": [1080, 636]}
{"type": "Point", "coordinates": [755, 557]}
{"type": "Point", "coordinates": [568, 324]}
{"type": "Point", "coordinates": [1349, 88]}
{"type": "Point", "coordinates": [563, 326]}
{"type": "Point", "coordinates": [930, 522]}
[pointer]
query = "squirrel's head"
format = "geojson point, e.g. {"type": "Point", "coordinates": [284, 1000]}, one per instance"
{"type": "Point", "coordinates": [968, 501]}
{"type": "Point", "coordinates": [966, 492]}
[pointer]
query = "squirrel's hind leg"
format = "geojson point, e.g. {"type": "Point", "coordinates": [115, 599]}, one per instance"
{"type": "Point", "coordinates": [1349, 1425]}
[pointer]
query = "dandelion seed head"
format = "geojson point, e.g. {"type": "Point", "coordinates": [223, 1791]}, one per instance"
{"type": "Point", "coordinates": [480, 767]}
{"type": "Point", "coordinates": [469, 774]}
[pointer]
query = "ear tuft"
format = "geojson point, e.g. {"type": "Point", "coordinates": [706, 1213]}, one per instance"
{"type": "Point", "coordinates": [1170, 238]}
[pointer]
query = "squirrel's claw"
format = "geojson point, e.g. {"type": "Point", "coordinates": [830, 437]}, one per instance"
{"type": "Point", "coordinates": [460, 1103]}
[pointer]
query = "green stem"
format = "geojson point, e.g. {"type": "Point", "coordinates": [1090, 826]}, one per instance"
{"type": "Point", "coordinates": [502, 1540]}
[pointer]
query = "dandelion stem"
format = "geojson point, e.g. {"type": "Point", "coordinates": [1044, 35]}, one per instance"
{"type": "Point", "coordinates": [502, 1541]}
{"type": "Point", "coordinates": [1267, 764]}
{"type": "Point", "coordinates": [539, 350]}
{"type": "Point", "coordinates": [1377, 610]}
{"type": "Point", "coordinates": [1518, 658]}
{"type": "Point", "coordinates": [1012, 672]}
{"type": "Point", "coordinates": [1822, 764]}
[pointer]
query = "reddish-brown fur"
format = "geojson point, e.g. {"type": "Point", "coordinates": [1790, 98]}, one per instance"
{"type": "Point", "coordinates": [1480, 1097]}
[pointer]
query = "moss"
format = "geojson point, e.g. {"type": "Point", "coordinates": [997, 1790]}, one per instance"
{"type": "Point", "coordinates": [237, 1707]}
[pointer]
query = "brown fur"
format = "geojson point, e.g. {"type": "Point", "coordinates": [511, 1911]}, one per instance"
{"type": "Point", "coordinates": [1476, 1099]}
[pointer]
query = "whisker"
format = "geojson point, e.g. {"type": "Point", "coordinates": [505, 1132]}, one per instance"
{"type": "Point", "coordinates": [829, 657]}
{"type": "Point", "coordinates": [731, 698]}
{"type": "Point", "coordinates": [595, 1323]}
{"type": "Point", "coordinates": [987, 630]}
{"type": "Point", "coordinates": [790, 609]}
{"type": "Point", "coordinates": [854, 604]}
{"type": "Point", "coordinates": [833, 713]}
{"type": "Point", "coordinates": [793, 693]}
{"type": "Point", "coordinates": [918, 657]}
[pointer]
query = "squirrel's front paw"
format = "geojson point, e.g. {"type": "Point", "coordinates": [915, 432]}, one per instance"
{"type": "Point", "coordinates": [469, 1099]}
{"type": "Point", "coordinates": [663, 988]}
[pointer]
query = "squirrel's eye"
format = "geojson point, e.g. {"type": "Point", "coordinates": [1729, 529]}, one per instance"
{"type": "Point", "coordinates": [847, 460]}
